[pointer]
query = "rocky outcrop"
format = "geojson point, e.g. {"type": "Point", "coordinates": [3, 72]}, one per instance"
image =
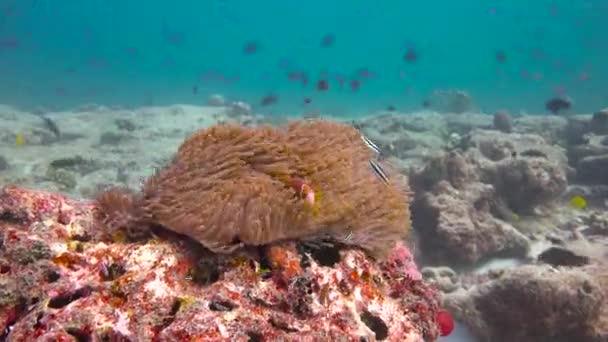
{"type": "Point", "coordinates": [467, 201]}
{"type": "Point", "coordinates": [523, 168]}
{"type": "Point", "coordinates": [62, 278]}
{"type": "Point", "coordinates": [534, 303]}
{"type": "Point", "coordinates": [588, 147]}
{"type": "Point", "coordinates": [455, 217]}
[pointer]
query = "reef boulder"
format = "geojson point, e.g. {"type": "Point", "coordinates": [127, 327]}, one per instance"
{"type": "Point", "coordinates": [455, 217]}
{"type": "Point", "coordinates": [534, 303]}
{"type": "Point", "coordinates": [63, 278]}
{"type": "Point", "coordinates": [524, 169]}
{"type": "Point", "coordinates": [468, 200]}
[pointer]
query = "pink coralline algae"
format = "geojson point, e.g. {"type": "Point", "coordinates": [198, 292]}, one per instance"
{"type": "Point", "coordinates": [63, 279]}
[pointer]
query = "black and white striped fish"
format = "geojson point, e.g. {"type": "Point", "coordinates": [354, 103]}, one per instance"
{"type": "Point", "coordinates": [379, 171]}
{"type": "Point", "coordinates": [370, 144]}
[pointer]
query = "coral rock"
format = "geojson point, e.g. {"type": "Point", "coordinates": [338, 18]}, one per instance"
{"type": "Point", "coordinates": [593, 169]}
{"type": "Point", "coordinates": [525, 171]}
{"type": "Point", "coordinates": [533, 303]}
{"type": "Point", "coordinates": [455, 214]}
{"type": "Point", "coordinates": [459, 227]}
{"type": "Point", "coordinates": [62, 278]}
{"type": "Point", "coordinates": [468, 202]}
{"type": "Point", "coordinates": [599, 122]}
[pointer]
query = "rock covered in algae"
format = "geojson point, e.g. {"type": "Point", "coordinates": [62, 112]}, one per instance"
{"type": "Point", "coordinates": [65, 279]}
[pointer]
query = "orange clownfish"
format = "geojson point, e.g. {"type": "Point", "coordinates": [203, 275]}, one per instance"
{"type": "Point", "coordinates": [303, 190]}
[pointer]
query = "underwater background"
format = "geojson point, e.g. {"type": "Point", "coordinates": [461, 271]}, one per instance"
{"type": "Point", "coordinates": [506, 54]}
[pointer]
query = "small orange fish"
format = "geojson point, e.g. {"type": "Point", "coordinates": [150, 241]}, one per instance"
{"type": "Point", "coordinates": [304, 190]}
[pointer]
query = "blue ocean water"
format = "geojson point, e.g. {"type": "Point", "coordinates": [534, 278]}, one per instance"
{"type": "Point", "coordinates": [61, 54]}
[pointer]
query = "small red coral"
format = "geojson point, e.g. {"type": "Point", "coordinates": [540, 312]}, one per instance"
{"type": "Point", "coordinates": [445, 322]}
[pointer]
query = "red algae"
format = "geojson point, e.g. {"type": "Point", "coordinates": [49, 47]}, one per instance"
{"type": "Point", "coordinates": [88, 287]}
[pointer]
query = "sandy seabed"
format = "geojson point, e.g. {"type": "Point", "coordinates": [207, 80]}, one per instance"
{"type": "Point", "coordinates": [508, 191]}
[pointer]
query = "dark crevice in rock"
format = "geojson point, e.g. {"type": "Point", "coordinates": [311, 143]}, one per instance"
{"type": "Point", "coordinates": [13, 317]}
{"type": "Point", "coordinates": [325, 253]}
{"type": "Point", "coordinates": [66, 298]}
{"type": "Point", "coordinates": [534, 154]}
{"type": "Point", "coordinates": [38, 323]}
{"type": "Point", "coordinates": [18, 218]}
{"type": "Point", "coordinates": [205, 272]}
{"type": "Point", "coordinates": [84, 237]}
{"type": "Point", "coordinates": [111, 271]}
{"type": "Point", "coordinates": [170, 317]}
{"type": "Point", "coordinates": [112, 336]}
{"type": "Point", "coordinates": [221, 305]}
{"type": "Point", "coordinates": [254, 336]}
{"type": "Point", "coordinates": [376, 324]}
{"type": "Point", "coordinates": [265, 265]}
{"type": "Point", "coordinates": [281, 325]}
{"type": "Point", "coordinates": [52, 276]}
{"type": "Point", "coordinates": [81, 335]}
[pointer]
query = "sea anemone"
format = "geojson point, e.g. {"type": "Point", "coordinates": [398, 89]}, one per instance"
{"type": "Point", "coordinates": [230, 186]}
{"type": "Point", "coordinates": [120, 209]}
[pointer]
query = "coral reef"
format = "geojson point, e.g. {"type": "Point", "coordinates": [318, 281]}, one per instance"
{"type": "Point", "coordinates": [490, 207]}
{"type": "Point", "coordinates": [472, 184]}
{"type": "Point", "coordinates": [443, 277]}
{"type": "Point", "coordinates": [455, 217]}
{"type": "Point", "coordinates": [64, 279]}
{"type": "Point", "coordinates": [413, 139]}
{"type": "Point", "coordinates": [230, 186]}
{"type": "Point", "coordinates": [467, 202]}
{"type": "Point", "coordinates": [525, 170]}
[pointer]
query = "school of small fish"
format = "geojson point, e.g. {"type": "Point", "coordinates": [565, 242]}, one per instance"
{"type": "Point", "coordinates": [412, 54]}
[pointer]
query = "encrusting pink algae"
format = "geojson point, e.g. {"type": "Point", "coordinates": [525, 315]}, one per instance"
{"type": "Point", "coordinates": [65, 279]}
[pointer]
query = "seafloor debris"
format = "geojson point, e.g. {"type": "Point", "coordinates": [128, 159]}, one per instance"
{"type": "Point", "coordinates": [63, 279]}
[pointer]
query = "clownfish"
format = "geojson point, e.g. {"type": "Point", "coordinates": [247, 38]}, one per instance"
{"type": "Point", "coordinates": [303, 190]}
